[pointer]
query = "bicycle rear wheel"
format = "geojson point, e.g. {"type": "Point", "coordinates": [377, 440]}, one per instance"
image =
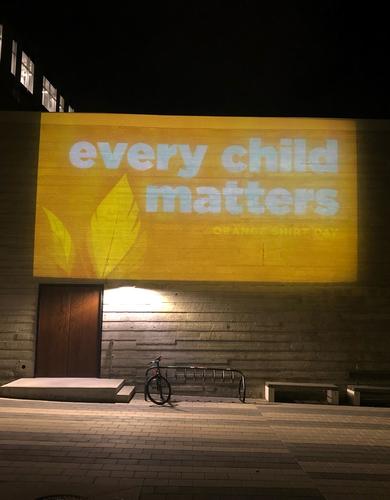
{"type": "Point", "coordinates": [158, 389]}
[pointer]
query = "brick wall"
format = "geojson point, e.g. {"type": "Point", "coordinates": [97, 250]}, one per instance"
{"type": "Point", "coordinates": [305, 332]}
{"type": "Point", "coordinates": [316, 333]}
{"type": "Point", "coordinates": [18, 291]}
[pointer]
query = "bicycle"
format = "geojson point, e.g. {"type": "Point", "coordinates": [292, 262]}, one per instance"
{"type": "Point", "coordinates": [157, 388]}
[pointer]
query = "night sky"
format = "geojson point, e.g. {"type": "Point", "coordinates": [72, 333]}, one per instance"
{"type": "Point", "coordinates": [249, 58]}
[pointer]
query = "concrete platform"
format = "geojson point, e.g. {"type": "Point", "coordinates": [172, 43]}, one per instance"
{"type": "Point", "coordinates": [95, 390]}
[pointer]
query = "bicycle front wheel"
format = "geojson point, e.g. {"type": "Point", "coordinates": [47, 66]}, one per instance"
{"type": "Point", "coordinates": [242, 390]}
{"type": "Point", "coordinates": [159, 390]}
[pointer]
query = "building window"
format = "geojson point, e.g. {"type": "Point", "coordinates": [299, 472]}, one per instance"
{"type": "Point", "coordinates": [1, 38]}
{"type": "Point", "coordinates": [27, 72]}
{"type": "Point", "coordinates": [13, 57]}
{"type": "Point", "coordinates": [49, 95]}
{"type": "Point", "coordinates": [61, 107]}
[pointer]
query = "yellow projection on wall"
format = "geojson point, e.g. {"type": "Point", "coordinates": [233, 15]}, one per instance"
{"type": "Point", "coordinates": [196, 198]}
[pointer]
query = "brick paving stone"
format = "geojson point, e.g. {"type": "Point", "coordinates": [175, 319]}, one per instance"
{"type": "Point", "coordinates": [194, 450]}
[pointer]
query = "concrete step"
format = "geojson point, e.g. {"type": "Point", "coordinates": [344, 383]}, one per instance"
{"type": "Point", "coordinates": [95, 390]}
{"type": "Point", "coordinates": [125, 394]}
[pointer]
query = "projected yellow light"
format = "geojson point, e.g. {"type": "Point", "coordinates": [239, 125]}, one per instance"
{"type": "Point", "coordinates": [196, 198]}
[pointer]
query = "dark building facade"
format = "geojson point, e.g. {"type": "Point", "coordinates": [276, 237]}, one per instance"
{"type": "Point", "coordinates": [271, 331]}
{"type": "Point", "coordinates": [279, 331]}
{"type": "Point", "coordinates": [24, 83]}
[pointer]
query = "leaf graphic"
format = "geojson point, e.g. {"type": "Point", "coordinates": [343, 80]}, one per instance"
{"type": "Point", "coordinates": [114, 228]}
{"type": "Point", "coordinates": [62, 241]}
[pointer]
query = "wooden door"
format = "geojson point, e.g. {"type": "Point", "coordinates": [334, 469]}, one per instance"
{"type": "Point", "coordinates": [69, 331]}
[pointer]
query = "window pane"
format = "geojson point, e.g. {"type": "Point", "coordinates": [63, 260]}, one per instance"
{"type": "Point", "coordinates": [49, 95]}
{"type": "Point", "coordinates": [1, 38]}
{"type": "Point", "coordinates": [61, 106]}
{"type": "Point", "coordinates": [27, 72]}
{"type": "Point", "coordinates": [13, 57]}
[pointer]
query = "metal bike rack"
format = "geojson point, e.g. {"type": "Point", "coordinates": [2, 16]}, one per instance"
{"type": "Point", "coordinates": [206, 374]}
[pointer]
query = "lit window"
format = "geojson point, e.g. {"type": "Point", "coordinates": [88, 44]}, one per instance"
{"type": "Point", "coordinates": [13, 57]}
{"type": "Point", "coordinates": [1, 38]}
{"type": "Point", "coordinates": [61, 107]}
{"type": "Point", "coordinates": [70, 109]}
{"type": "Point", "coordinates": [49, 95]}
{"type": "Point", "coordinates": [27, 72]}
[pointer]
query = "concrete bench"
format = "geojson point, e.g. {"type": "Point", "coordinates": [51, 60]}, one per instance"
{"type": "Point", "coordinates": [354, 392]}
{"type": "Point", "coordinates": [332, 390]}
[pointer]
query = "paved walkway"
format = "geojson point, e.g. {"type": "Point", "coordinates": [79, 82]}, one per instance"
{"type": "Point", "coordinates": [193, 450]}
